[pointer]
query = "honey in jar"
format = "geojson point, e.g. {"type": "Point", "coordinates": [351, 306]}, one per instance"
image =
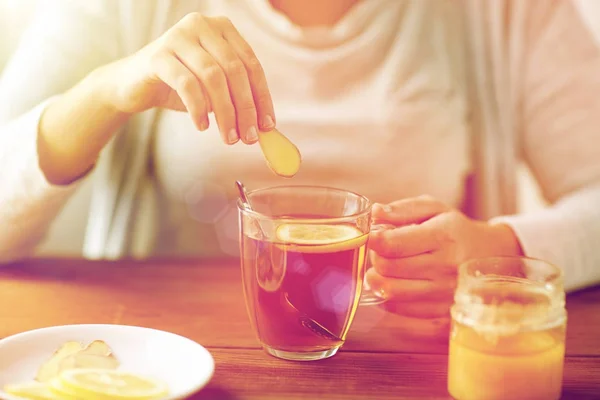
{"type": "Point", "coordinates": [507, 338]}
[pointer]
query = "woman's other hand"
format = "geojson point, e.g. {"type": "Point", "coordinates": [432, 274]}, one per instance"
{"type": "Point", "coordinates": [416, 263]}
{"type": "Point", "coordinates": [200, 65]}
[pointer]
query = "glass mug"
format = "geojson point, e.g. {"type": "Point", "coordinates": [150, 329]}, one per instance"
{"type": "Point", "coordinates": [303, 255]}
{"type": "Point", "coordinates": [507, 339]}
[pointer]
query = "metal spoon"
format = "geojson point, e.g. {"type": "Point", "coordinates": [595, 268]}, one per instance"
{"type": "Point", "coordinates": [311, 324]}
{"type": "Point", "coordinates": [246, 201]}
{"type": "Point", "coordinates": [243, 194]}
{"type": "Point", "coordinates": [303, 319]}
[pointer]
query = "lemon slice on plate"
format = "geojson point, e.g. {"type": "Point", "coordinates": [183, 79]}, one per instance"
{"type": "Point", "coordinates": [320, 238]}
{"type": "Point", "coordinates": [101, 384]}
{"type": "Point", "coordinates": [30, 390]}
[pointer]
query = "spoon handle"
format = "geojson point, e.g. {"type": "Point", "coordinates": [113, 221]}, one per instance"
{"type": "Point", "coordinates": [246, 201]}
{"type": "Point", "coordinates": [243, 194]}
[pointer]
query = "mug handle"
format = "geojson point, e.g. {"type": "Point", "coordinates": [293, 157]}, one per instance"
{"type": "Point", "coordinates": [369, 296]}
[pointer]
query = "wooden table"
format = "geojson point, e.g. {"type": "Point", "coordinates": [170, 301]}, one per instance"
{"type": "Point", "coordinates": [204, 301]}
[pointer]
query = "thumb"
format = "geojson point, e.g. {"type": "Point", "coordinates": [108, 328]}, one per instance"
{"type": "Point", "coordinates": [382, 213]}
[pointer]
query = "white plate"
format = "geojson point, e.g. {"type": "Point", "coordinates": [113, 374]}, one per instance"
{"type": "Point", "coordinates": [181, 363]}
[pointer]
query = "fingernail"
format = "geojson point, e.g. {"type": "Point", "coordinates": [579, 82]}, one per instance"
{"type": "Point", "coordinates": [268, 122]}
{"type": "Point", "coordinates": [384, 207]}
{"type": "Point", "coordinates": [203, 125]}
{"type": "Point", "coordinates": [377, 228]}
{"type": "Point", "coordinates": [233, 136]}
{"type": "Point", "coordinates": [252, 135]}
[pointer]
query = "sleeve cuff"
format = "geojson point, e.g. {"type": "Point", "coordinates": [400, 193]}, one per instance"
{"type": "Point", "coordinates": [563, 235]}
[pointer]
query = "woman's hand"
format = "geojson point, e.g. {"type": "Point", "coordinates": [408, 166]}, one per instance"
{"type": "Point", "coordinates": [416, 263]}
{"type": "Point", "coordinates": [200, 65]}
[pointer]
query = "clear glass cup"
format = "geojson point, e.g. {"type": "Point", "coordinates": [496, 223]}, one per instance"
{"type": "Point", "coordinates": [507, 339]}
{"type": "Point", "coordinates": [303, 252]}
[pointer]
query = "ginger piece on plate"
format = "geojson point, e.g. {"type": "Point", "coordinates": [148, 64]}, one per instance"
{"type": "Point", "coordinates": [97, 347]}
{"type": "Point", "coordinates": [51, 368]}
{"type": "Point", "coordinates": [96, 355]}
{"type": "Point", "coordinates": [87, 361]}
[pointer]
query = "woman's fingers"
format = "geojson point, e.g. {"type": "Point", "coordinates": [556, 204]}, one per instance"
{"type": "Point", "coordinates": [215, 84]}
{"type": "Point", "coordinates": [419, 309]}
{"type": "Point", "coordinates": [414, 210]}
{"type": "Point", "coordinates": [421, 266]}
{"type": "Point", "coordinates": [236, 76]}
{"type": "Point", "coordinates": [256, 74]}
{"type": "Point", "coordinates": [170, 70]}
{"type": "Point", "coordinates": [412, 289]}
{"type": "Point", "coordinates": [209, 73]}
{"type": "Point", "coordinates": [405, 241]}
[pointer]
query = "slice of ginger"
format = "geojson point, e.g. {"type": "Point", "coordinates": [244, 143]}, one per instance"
{"type": "Point", "coordinates": [97, 347]}
{"type": "Point", "coordinates": [51, 368]}
{"type": "Point", "coordinates": [94, 361]}
{"type": "Point", "coordinates": [282, 156]}
{"type": "Point", "coordinates": [72, 355]}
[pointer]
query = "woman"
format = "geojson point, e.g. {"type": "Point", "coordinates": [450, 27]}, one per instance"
{"type": "Point", "coordinates": [388, 98]}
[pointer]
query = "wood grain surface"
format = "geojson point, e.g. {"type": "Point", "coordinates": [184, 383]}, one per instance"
{"type": "Point", "coordinates": [203, 300]}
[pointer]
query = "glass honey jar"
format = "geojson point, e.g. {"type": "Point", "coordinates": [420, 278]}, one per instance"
{"type": "Point", "coordinates": [507, 338]}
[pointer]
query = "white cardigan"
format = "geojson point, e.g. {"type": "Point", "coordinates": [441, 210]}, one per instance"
{"type": "Point", "coordinates": [550, 120]}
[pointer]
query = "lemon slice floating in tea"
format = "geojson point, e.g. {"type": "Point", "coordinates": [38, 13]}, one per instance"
{"type": "Point", "coordinates": [320, 238]}
{"type": "Point", "coordinates": [282, 156]}
{"type": "Point", "coordinates": [96, 384]}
